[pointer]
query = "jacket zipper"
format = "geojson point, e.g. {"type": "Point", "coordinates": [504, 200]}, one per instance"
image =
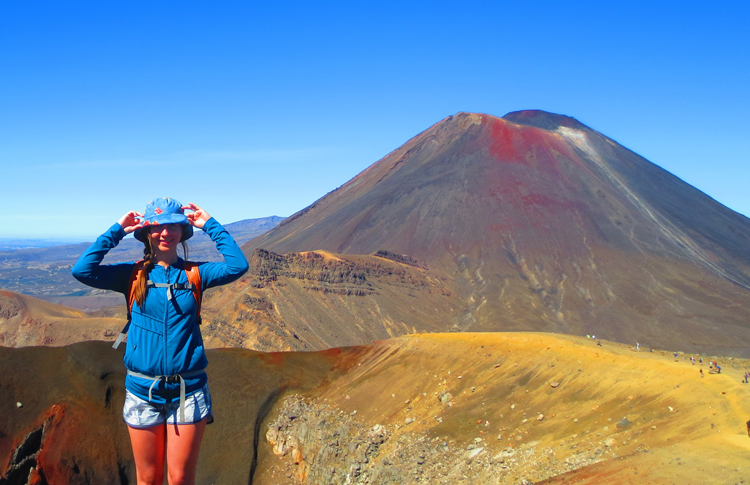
{"type": "Point", "coordinates": [166, 322]}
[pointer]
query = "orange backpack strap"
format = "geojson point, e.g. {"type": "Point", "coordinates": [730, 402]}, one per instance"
{"type": "Point", "coordinates": [194, 278]}
{"type": "Point", "coordinates": [137, 269]}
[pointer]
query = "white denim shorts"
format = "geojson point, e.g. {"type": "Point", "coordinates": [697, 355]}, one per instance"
{"type": "Point", "coordinates": [139, 413]}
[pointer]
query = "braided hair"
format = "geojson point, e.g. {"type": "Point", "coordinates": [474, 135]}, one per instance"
{"type": "Point", "coordinates": [149, 260]}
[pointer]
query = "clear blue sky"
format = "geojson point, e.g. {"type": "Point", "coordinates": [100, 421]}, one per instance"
{"type": "Point", "coordinates": [253, 109]}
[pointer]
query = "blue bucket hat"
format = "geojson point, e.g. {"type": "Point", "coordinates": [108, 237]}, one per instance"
{"type": "Point", "coordinates": [163, 211]}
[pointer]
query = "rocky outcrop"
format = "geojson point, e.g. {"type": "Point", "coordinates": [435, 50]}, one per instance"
{"type": "Point", "coordinates": [320, 445]}
{"type": "Point", "coordinates": [315, 300]}
{"type": "Point", "coordinates": [324, 446]}
{"type": "Point", "coordinates": [9, 307]}
{"type": "Point", "coordinates": [326, 268]}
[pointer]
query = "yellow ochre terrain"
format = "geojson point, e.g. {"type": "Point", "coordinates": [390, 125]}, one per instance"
{"type": "Point", "coordinates": [508, 407]}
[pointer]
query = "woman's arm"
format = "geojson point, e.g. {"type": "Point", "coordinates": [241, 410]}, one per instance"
{"type": "Point", "coordinates": [88, 269]}
{"type": "Point", "coordinates": [235, 263]}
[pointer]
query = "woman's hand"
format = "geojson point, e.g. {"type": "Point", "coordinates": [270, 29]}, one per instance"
{"type": "Point", "coordinates": [198, 217]}
{"type": "Point", "coordinates": [131, 221]}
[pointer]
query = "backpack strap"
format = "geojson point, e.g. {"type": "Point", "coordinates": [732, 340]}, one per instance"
{"type": "Point", "coordinates": [137, 269]}
{"type": "Point", "coordinates": [194, 277]}
{"type": "Point", "coordinates": [194, 284]}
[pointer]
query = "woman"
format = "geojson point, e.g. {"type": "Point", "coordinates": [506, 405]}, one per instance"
{"type": "Point", "coordinates": [167, 401]}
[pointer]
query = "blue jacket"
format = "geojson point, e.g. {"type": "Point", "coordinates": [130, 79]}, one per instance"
{"type": "Point", "coordinates": [164, 337]}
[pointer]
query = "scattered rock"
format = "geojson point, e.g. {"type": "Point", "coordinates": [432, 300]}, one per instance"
{"type": "Point", "coordinates": [19, 405]}
{"type": "Point", "coordinates": [476, 451]}
{"type": "Point", "coordinates": [540, 417]}
{"type": "Point", "coordinates": [444, 397]}
{"type": "Point", "coordinates": [554, 384]}
{"type": "Point", "coordinates": [624, 422]}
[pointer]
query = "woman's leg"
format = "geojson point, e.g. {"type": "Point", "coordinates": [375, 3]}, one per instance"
{"type": "Point", "coordinates": [148, 452]}
{"type": "Point", "coordinates": [183, 445]}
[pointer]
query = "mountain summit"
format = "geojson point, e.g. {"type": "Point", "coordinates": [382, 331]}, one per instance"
{"type": "Point", "coordinates": [546, 224]}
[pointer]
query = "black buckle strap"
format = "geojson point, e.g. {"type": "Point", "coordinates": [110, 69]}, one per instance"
{"type": "Point", "coordinates": [182, 286]}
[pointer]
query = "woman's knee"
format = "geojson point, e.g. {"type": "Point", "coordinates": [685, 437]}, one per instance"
{"type": "Point", "coordinates": [150, 477]}
{"type": "Point", "coordinates": [180, 477]}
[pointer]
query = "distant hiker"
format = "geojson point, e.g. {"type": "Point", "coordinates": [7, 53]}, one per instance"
{"type": "Point", "coordinates": [637, 347]}
{"type": "Point", "coordinates": [692, 360]}
{"type": "Point", "coordinates": [746, 376]}
{"type": "Point", "coordinates": [718, 369]}
{"type": "Point", "coordinates": [701, 373]}
{"type": "Point", "coordinates": [700, 360]}
{"type": "Point", "coordinates": [675, 356]}
{"type": "Point", "coordinates": [748, 427]}
{"type": "Point", "coordinates": [599, 343]}
{"type": "Point", "coordinates": [167, 401]}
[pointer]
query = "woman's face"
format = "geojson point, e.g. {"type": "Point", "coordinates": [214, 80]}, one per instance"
{"type": "Point", "coordinates": [165, 237]}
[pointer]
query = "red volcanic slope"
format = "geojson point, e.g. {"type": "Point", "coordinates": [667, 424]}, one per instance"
{"type": "Point", "coordinates": [548, 225]}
